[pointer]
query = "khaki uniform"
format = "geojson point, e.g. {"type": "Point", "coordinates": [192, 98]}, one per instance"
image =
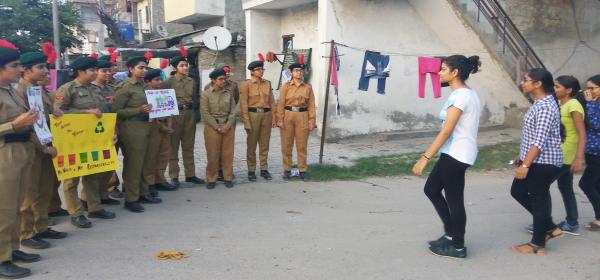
{"type": "Point", "coordinates": [164, 150]}
{"type": "Point", "coordinates": [40, 183]}
{"type": "Point", "coordinates": [184, 126]}
{"type": "Point", "coordinates": [75, 98]}
{"type": "Point", "coordinates": [139, 139]}
{"type": "Point", "coordinates": [293, 98]}
{"type": "Point", "coordinates": [16, 158]}
{"type": "Point", "coordinates": [230, 86]}
{"type": "Point", "coordinates": [218, 108]}
{"type": "Point", "coordinates": [48, 172]}
{"type": "Point", "coordinates": [255, 97]}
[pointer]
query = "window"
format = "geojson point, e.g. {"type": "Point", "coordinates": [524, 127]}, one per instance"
{"type": "Point", "coordinates": [288, 42]}
{"type": "Point", "coordinates": [128, 4]}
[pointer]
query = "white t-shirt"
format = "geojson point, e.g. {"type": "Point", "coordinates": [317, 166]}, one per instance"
{"type": "Point", "coordinates": [462, 144]}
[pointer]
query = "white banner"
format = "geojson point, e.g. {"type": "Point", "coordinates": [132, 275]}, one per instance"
{"type": "Point", "coordinates": [34, 98]}
{"type": "Point", "coordinates": [163, 101]}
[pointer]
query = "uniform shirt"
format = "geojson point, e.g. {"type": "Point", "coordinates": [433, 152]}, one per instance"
{"type": "Point", "coordinates": [232, 87]}
{"type": "Point", "coordinates": [107, 91]}
{"type": "Point", "coordinates": [542, 129]}
{"type": "Point", "coordinates": [76, 98]}
{"type": "Point", "coordinates": [569, 146]}
{"type": "Point", "coordinates": [218, 107]}
{"type": "Point", "coordinates": [592, 145]}
{"type": "Point", "coordinates": [48, 99]}
{"type": "Point", "coordinates": [256, 94]}
{"type": "Point", "coordinates": [129, 97]}
{"type": "Point", "coordinates": [184, 89]}
{"type": "Point", "coordinates": [11, 106]}
{"type": "Point", "coordinates": [462, 143]}
{"type": "Point", "coordinates": [22, 87]}
{"type": "Point", "coordinates": [296, 95]}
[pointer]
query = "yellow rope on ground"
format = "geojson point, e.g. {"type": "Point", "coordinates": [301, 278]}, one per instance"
{"type": "Point", "coordinates": [172, 255]}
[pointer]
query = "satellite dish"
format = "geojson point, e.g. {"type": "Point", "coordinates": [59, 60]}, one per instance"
{"type": "Point", "coordinates": [162, 30]}
{"type": "Point", "coordinates": [217, 38]}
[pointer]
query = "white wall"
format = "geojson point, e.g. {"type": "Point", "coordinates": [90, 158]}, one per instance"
{"type": "Point", "coordinates": [263, 34]}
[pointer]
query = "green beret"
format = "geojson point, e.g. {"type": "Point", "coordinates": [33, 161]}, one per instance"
{"type": "Point", "coordinates": [152, 73]}
{"type": "Point", "coordinates": [220, 65]}
{"type": "Point", "coordinates": [104, 57]}
{"type": "Point", "coordinates": [8, 52]}
{"type": "Point", "coordinates": [84, 63]}
{"type": "Point", "coordinates": [104, 64]}
{"type": "Point", "coordinates": [255, 64]}
{"type": "Point", "coordinates": [29, 59]}
{"type": "Point", "coordinates": [175, 60]}
{"type": "Point", "coordinates": [216, 73]}
{"type": "Point", "coordinates": [297, 65]}
{"type": "Point", "coordinates": [134, 60]}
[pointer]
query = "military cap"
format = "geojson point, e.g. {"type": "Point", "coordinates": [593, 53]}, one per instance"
{"type": "Point", "coordinates": [175, 60]}
{"type": "Point", "coordinates": [296, 65]}
{"type": "Point", "coordinates": [216, 73]}
{"type": "Point", "coordinates": [104, 57]}
{"type": "Point", "coordinates": [255, 64]}
{"type": "Point", "coordinates": [29, 59]}
{"type": "Point", "coordinates": [104, 63]}
{"type": "Point", "coordinates": [152, 73]}
{"type": "Point", "coordinates": [134, 60]}
{"type": "Point", "coordinates": [83, 63]}
{"type": "Point", "coordinates": [8, 52]}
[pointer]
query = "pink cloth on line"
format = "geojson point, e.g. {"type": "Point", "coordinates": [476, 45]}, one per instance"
{"type": "Point", "coordinates": [334, 77]}
{"type": "Point", "coordinates": [431, 65]}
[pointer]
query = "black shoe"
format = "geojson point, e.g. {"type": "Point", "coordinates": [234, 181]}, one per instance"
{"type": "Point", "coordinates": [266, 175]}
{"type": "Point", "coordinates": [134, 207]}
{"type": "Point", "coordinates": [153, 191]}
{"type": "Point", "coordinates": [252, 176]}
{"type": "Point", "coordinates": [110, 201]}
{"type": "Point", "coordinates": [84, 205]}
{"type": "Point", "coordinates": [9, 270]}
{"type": "Point", "coordinates": [194, 180]}
{"type": "Point", "coordinates": [304, 176]}
{"type": "Point", "coordinates": [211, 185]}
{"type": "Point", "coordinates": [175, 182]}
{"type": "Point", "coordinates": [148, 199]}
{"type": "Point", "coordinates": [102, 214]}
{"type": "Point", "coordinates": [52, 234]}
{"type": "Point", "coordinates": [449, 251]}
{"type": "Point", "coordinates": [221, 178]}
{"type": "Point", "coordinates": [287, 175]}
{"type": "Point", "coordinates": [20, 256]}
{"type": "Point", "coordinates": [229, 184]}
{"type": "Point", "coordinates": [81, 222]}
{"type": "Point", "coordinates": [165, 187]}
{"type": "Point", "coordinates": [442, 241]}
{"type": "Point", "coordinates": [35, 243]}
{"type": "Point", "coordinates": [59, 213]}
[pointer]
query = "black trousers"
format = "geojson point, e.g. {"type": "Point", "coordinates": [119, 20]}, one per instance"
{"type": "Point", "coordinates": [448, 175]}
{"type": "Point", "coordinates": [590, 182]}
{"type": "Point", "coordinates": [533, 193]}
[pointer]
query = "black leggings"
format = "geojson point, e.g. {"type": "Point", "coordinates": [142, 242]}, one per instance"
{"type": "Point", "coordinates": [533, 193]}
{"type": "Point", "coordinates": [448, 174]}
{"type": "Point", "coordinates": [590, 182]}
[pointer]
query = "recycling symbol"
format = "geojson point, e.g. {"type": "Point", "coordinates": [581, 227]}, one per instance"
{"type": "Point", "coordinates": [99, 128]}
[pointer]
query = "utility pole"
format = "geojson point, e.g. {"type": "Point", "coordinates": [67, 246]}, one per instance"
{"type": "Point", "coordinates": [56, 30]}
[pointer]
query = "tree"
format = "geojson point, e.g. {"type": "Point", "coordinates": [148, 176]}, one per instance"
{"type": "Point", "coordinates": [28, 23]}
{"type": "Point", "coordinates": [108, 18]}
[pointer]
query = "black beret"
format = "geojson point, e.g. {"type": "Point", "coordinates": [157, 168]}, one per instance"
{"type": "Point", "coordinates": [216, 73]}
{"type": "Point", "coordinates": [83, 63]}
{"type": "Point", "coordinates": [175, 60]}
{"type": "Point", "coordinates": [134, 60]}
{"type": "Point", "coordinates": [104, 64]}
{"type": "Point", "coordinates": [296, 65]}
{"type": "Point", "coordinates": [255, 64]}
{"type": "Point", "coordinates": [104, 57]}
{"type": "Point", "coordinates": [29, 59]}
{"type": "Point", "coordinates": [152, 73]}
{"type": "Point", "coordinates": [8, 52]}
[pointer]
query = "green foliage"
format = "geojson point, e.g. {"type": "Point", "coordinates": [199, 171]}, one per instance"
{"type": "Point", "coordinates": [28, 23]}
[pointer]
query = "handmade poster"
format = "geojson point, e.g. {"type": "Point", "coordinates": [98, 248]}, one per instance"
{"type": "Point", "coordinates": [163, 101]}
{"type": "Point", "coordinates": [34, 98]}
{"type": "Point", "coordinates": [84, 144]}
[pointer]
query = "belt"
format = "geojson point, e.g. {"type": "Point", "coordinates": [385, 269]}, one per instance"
{"type": "Point", "coordinates": [185, 107]}
{"type": "Point", "coordinates": [17, 137]}
{"type": "Point", "coordinates": [139, 118]}
{"type": "Point", "coordinates": [296, 109]}
{"type": "Point", "coordinates": [259, 110]}
{"type": "Point", "coordinates": [219, 122]}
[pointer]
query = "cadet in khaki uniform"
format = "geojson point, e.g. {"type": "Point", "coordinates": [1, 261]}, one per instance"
{"type": "Point", "coordinates": [81, 97]}
{"type": "Point", "coordinates": [34, 209]}
{"type": "Point", "coordinates": [138, 136]}
{"type": "Point", "coordinates": [296, 117]}
{"type": "Point", "coordinates": [218, 112]}
{"type": "Point", "coordinates": [154, 81]}
{"type": "Point", "coordinates": [16, 158]}
{"type": "Point", "coordinates": [184, 124]}
{"type": "Point", "coordinates": [258, 111]}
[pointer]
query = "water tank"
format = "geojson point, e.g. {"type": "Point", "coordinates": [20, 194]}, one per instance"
{"type": "Point", "coordinates": [126, 30]}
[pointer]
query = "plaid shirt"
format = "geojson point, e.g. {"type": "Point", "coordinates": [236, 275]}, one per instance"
{"type": "Point", "coordinates": [541, 128]}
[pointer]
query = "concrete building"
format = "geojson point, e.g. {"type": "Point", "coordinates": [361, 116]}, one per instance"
{"type": "Point", "coordinates": [96, 32]}
{"type": "Point", "coordinates": [405, 29]}
{"type": "Point", "coordinates": [206, 13]}
{"type": "Point", "coordinates": [149, 17]}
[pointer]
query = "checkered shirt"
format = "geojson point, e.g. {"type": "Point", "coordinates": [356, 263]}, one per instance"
{"type": "Point", "coordinates": [541, 128]}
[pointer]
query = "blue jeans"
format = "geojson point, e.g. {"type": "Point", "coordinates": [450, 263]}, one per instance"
{"type": "Point", "coordinates": [380, 62]}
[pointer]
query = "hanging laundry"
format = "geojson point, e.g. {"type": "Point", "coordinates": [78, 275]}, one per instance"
{"type": "Point", "coordinates": [334, 79]}
{"type": "Point", "coordinates": [375, 66]}
{"type": "Point", "coordinates": [431, 65]}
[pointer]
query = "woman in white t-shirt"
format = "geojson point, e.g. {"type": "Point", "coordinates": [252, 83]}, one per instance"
{"type": "Point", "coordinates": [457, 145]}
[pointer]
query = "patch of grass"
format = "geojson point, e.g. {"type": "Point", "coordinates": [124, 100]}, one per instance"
{"type": "Point", "coordinates": [494, 157]}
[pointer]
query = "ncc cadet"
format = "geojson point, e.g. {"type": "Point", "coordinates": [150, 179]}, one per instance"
{"type": "Point", "coordinates": [81, 97]}
{"type": "Point", "coordinates": [184, 125]}
{"type": "Point", "coordinates": [258, 111]}
{"type": "Point", "coordinates": [41, 181]}
{"type": "Point", "coordinates": [138, 136]}
{"type": "Point", "coordinates": [296, 117]}
{"type": "Point", "coordinates": [16, 158]}
{"type": "Point", "coordinates": [218, 112]}
{"type": "Point", "coordinates": [165, 130]}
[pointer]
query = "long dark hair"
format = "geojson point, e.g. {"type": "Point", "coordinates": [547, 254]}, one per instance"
{"type": "Point", "coordinates": [465, 66]}
{"type": "Point", "coordinates": [543, 76]}
{"type": "Point", "coordinates": [596, 80]}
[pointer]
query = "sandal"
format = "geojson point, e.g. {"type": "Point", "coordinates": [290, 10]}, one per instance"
{"type": "Point", "coordinates": [592, 226]}
{"type": "Point", "coordinates": [529, 248]}
{"type": "Point", "coordinates": [555, 233]}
